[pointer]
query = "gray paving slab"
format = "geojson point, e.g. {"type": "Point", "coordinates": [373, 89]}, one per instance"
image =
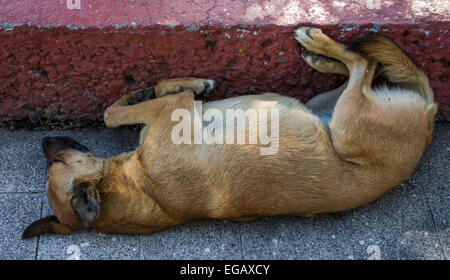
{"type": "Point", "coordinates": [432, 176]}
{"type": "Point", "coordinates": [444, 237]}
{"type": "Point", "coordinates": [398, 225]}
{"type": "Point", "coordinates": [23, 165]}
{"type": "Point", "coordinates": [318, 237]}
{"type": "Point", "coordinates": [201, 240]}
{"type": "Point", "coordinates": [410, 222]}
{"type": "Point", "coordinates": [87, 245]}
{"type": "Point", "coordinates": [16, 212]}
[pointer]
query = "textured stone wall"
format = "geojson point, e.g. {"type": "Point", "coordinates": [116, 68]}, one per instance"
{"type": "Point", "coordinates": [64, 61]}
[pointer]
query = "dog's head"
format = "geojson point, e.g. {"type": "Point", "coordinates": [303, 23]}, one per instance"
{"type": "Point", "coordinates": [73, 175]}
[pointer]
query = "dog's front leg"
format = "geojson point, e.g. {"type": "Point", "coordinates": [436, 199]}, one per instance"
{"type": "Point", "coordinates": [198, 86]}
{"type": "Point", "coordinates": [144, 108]}
{"type": "Point", "coordinates": [146, 112]}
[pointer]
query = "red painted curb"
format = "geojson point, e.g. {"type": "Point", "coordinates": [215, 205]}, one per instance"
{"type": "Point", "coordinates": [94, 13]}
{"type": "Point", "coordinates": [70, 64]}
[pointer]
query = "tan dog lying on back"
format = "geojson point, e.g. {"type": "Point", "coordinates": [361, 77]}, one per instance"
{"type": "Point", "coordinates": [341, 150]}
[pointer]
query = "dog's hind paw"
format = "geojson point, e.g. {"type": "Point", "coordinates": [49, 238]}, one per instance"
{"type": "Point", "coordinates": [323, 63]}
{"type": "Point", "coordinates": [311, 38]}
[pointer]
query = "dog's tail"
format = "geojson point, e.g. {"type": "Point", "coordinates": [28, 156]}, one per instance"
{"type": "Point", "coordinates": [395, 64]}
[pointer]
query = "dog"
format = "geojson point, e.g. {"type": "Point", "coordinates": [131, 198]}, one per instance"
{"type": "Point", "coordinates": [342, 149]}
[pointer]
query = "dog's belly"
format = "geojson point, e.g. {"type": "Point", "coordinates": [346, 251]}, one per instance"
{"type": "Point", "coordinates": [249, 111]}
{"type": "Point", "coordinates": [259, 101]}
{"type": "Point", "coordinates": [325, 117]}
{"type": "Point", "coordinates": [229, 181]}
{"type": "Point", "coordinates": [304, 176]}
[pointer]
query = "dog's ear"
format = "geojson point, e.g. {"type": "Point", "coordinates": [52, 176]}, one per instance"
{"type": "Point", "coordinates": [85, 203]}
{"type": "Point", "coordinates": [45, 225]}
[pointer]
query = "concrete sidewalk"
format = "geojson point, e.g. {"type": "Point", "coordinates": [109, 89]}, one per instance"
{"type": "Point", "coordinates": [410, 222]}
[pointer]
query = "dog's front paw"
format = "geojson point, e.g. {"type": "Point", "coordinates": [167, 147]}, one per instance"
{"type": "Point", "coordinates": [206, 88]}
{"type": "Point", "coordinates": [176, 85]}
{"type": "Point", "coordinates": [141, 95]}
{"type": "Point", "coordinates": [109, 117]}
{"type": "Point", "coordinates": [311, 38]}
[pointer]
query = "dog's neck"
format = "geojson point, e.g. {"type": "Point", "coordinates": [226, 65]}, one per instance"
{"type": "Point", "coordinates": [124, 196]}
{"type": "Point", "coordinates": [118, 172]}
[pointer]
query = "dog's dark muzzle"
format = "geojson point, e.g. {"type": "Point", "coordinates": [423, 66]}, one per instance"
{"type": "Point", "coordinates": [54, 145]}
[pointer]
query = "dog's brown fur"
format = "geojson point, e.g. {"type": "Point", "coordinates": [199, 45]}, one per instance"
{"type": "Point", "coordinates": [374, 141]}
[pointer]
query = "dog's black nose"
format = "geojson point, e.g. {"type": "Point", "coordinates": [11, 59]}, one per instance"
{"type": "Point", "coordinates": [53, 145]}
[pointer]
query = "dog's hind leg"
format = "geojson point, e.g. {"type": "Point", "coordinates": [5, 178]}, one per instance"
{"type": "Point", "coordinates": [324, 64]}
{"type": "Point", "coordinates": [323, 104]}
{"type": "Point", "coordinates": [360, 72]}
{"type": "Point", "coordinates": [315, 41]}
{"type": "Point", "coordinates": [356, 101]}
{"type": "Point", "coordinates": [326, 101]}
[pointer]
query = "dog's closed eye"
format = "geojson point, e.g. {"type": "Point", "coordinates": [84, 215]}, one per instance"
{"type": "Point", "coordinates": [56, 161]}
